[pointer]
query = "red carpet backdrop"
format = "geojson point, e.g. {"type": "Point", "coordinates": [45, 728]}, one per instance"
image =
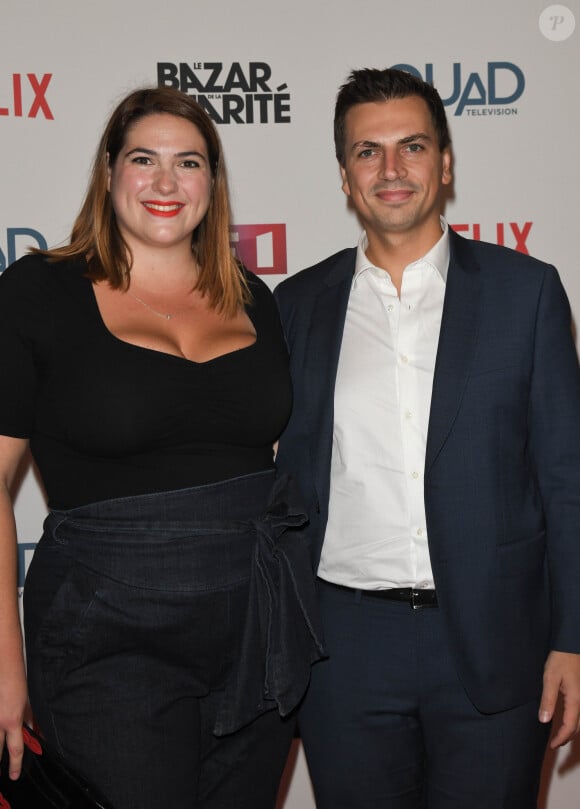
{"type": "Point", "coordinates": [268, 72]}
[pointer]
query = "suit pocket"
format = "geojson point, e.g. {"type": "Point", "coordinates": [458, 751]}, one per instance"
{"type": "Point", "coordinates": [523, 558]}
{"type": "Point", "coordinates": [499, 369]}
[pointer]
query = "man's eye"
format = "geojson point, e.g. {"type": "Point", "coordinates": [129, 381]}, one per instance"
{"type": "Point", "coordinates": [366, 153]}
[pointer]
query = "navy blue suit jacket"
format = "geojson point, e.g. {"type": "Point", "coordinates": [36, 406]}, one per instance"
{"type": "Point", "coordinates": [502, 468]}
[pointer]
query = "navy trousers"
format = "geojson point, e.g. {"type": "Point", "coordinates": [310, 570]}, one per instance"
{"type": "Point", "coordinates": [147, 646]}
{"type": "Point", "coordinates": [387, 724]}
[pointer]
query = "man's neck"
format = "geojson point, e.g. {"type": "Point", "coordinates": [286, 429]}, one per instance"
{"type": "Point", "coordinates": [393, 252]}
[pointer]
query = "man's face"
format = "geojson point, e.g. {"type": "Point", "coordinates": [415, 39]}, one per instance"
{"type": "Point", "coordinates": [394, 171]}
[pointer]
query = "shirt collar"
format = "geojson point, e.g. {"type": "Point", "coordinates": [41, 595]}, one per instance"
{"type": "Point", "coordinates": [437, 257]}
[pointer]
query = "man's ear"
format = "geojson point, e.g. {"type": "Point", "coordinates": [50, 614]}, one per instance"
{"type": "Point", "coordinates": [446, 172]}
{"type": "Point", "coordinates": [345, 183]}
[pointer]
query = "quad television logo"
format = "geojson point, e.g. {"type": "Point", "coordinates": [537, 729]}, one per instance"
{"type": "Point", "coordinates": [260, 248]}
{"type": "Point", "coordinates": [232, 93]}
{"type": "Point", "coordinates": [25, 554]}
{"type": "Point", "coordinates": [491, 92]}
{"type": "Point", "coordinates": [18, 241]}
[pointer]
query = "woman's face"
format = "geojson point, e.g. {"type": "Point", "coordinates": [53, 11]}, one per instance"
{"type": "Point", "coordinates": [161, 183]}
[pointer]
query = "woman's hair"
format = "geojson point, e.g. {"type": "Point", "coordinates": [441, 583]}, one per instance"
{"type": "Point", "coordinates": [96, 236]}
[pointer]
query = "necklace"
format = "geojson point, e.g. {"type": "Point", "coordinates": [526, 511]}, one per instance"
{"type": "Point", "coordinates": [151, 309]}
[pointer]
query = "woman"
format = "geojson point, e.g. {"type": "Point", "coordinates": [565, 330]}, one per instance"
{"type": "Point", "coordinates": [168, 607]}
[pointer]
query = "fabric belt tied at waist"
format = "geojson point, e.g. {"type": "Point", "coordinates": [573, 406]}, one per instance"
{"type": "Point", "coordinates": [281, 631]}
{"type": "Point", "coordinates": [282, 626]}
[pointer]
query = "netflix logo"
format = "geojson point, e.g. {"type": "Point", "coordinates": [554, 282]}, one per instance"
{"type": "Point", "coordinates": [26, 96]}
{"type": "Point", "coordinates": [510, 234]}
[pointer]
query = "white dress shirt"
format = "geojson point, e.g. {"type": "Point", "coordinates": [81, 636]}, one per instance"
{"type": "Point", "coordinates": [376, 536]}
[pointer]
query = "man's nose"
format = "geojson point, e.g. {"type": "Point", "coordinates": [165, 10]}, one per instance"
{"type": "Point", "coordinates": [392, 165]}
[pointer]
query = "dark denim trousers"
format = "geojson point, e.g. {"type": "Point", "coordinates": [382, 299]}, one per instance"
{"type": "Point", "coordinates": [163, 631]}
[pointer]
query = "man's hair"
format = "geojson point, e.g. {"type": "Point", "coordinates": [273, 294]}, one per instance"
{"type": "Point", "coordinates": [96, 236]}
{"type": "Point", "coordinates": [371, 84]}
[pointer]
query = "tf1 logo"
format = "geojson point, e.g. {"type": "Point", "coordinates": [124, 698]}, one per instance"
{"type": "Point", "coordinates": [27, 96]}
{"type": "Point", "coordinates": [260, 248]}
{"type": "Point", "coordinates": [13, 237]}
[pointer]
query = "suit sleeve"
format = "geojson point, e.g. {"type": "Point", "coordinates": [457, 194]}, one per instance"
{"type": "Point", "coordinates": [283, 301]}
{"type": "Point", "coordinates": [554, 444]}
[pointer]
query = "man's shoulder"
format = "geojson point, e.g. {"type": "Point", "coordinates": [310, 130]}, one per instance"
{"type": "Point", "coordinates": [494, 258]}
{"type": "Point", "coordinates": [310, 280]}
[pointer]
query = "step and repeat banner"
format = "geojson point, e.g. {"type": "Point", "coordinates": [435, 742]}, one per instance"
{"type": "Point", "coordinates": [268, 73]}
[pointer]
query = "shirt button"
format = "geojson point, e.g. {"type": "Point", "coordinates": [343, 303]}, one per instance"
{"type": "Point", "coordinates": [405, 359]}
{"type": "Point", "coordinates": [408, 414]}
{"type": "Point", "coordinates": [390, 307]}
{"type": "Point", "coordinates": [415, 475]}
{"type": "Point", "coordinates": [419, 532]}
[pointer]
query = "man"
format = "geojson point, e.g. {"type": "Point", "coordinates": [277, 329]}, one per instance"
{"type": "Point", "coordinates": [436, 440]}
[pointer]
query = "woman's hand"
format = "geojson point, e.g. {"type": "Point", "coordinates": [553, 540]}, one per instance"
{"type": "Point", "coordinates": [13, 692]}
{"type": "Point", "coordinates": [13, 703]}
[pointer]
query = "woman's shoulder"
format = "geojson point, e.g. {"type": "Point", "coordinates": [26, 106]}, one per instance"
{"type": "Point", "coordinates": [26, 268]}
{"type": "Point", "coordinates": [38, 265]}
{"type": "Point", "coordinates": [259, 290]}
{"type": "Point", "coordinates": [36, 272]}
{"type": "Point", "coordinates": [32, 286]}
{"type": "Point", "coordinates": [263, 310]}
{"type": "Point", "coordinates": [262, 303]}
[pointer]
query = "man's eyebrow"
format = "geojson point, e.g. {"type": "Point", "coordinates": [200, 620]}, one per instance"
{"type": "Point", "coordinates": [371, 144]}
{"type": "Point", "coordinates": [414, 137]}
{"type": "Point", "coordinates": [366, 144]}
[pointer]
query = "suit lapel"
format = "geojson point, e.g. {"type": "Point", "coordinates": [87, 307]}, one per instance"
{"type": "Point", "coordinates": [457, 341]}
{"type": "Point", "coordinates": [324, 341]}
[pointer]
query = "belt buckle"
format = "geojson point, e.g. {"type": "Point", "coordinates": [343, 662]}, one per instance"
{"type": "Point", "coordinates": [415, 604]}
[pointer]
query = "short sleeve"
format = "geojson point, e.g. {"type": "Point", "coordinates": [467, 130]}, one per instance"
{"type": "Point", "coordinates": [24, 317]}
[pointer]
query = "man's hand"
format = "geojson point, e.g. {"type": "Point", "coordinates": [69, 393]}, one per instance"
{"type": "Point", "coordinates": [562, 676]}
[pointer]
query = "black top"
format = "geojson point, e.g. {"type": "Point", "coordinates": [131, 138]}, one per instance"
{"type": "Point", "coordinates": [106, 418]}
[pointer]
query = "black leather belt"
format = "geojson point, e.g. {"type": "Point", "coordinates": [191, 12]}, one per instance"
{"type": "Point", "coordinates": [414, 598]}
